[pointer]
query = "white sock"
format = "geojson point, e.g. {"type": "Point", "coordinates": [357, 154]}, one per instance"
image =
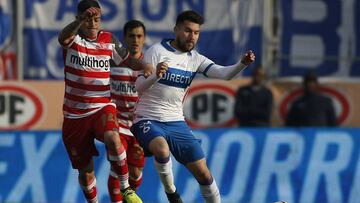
{"type": "Point", "coordinates": [166, 175]}
{"type": "Point", "coordinates": [210, 193]}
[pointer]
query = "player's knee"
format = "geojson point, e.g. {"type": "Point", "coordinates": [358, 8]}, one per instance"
{"type": "Point", "coordinates": [159, 148]}
{"type": "Point", "coordinates": [204, 177]}
{"type": "Point", "coordinates": [112, 141]}
{"type": "Point", "coordinates": [86, 175]}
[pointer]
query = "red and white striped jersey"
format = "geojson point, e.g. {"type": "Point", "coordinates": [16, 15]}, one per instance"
{"type": "Point", "coordinates": [87, 73]}
{"type": "Point", "coordinates": [124, 95]}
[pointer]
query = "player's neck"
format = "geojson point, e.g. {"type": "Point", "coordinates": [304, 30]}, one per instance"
{"type": "Point", "coordinates": [174, 45]}
{"type": "Point", "coordinates": [136, 55]}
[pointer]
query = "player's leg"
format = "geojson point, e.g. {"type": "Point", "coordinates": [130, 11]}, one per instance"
{"type": "Point", "coordinates": [187, 150]}
{"type": "Point", "coordinates": [113, 180]}
{"type": "Point", "coordinates": [208, 186]}
{"type": "Point", "coordinates": [150, 135]}
{"type": "Point", "coordinates": [79, 143]}
{"type": "Point", "coordinates": [136, 162]}
{"type": "Point", "coordinates": [87, 182]}
{"type": "Point", "coordinates": [135, 178]}
{"type": "Point", "coordinates": [116, 153]}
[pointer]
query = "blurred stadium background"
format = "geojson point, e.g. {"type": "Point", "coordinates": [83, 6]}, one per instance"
{"type": "Point", "coordinates": [289, 37]}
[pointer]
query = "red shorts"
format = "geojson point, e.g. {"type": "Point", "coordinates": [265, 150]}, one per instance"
{"type": "Point", "coordinates": [134, 154]}
{"type": "Point", "coordinates": [79, 135]}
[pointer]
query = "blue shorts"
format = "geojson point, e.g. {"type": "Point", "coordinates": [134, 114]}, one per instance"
{"type": "Point", "coordinates": [182, 143]}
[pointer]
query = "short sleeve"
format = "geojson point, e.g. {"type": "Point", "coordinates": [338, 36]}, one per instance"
{"type": "Point", "coordinates": [120, 53]}
{"type": "Point", "coordinates": [204, 64]}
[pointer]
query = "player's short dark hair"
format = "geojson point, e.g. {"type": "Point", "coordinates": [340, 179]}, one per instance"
{"type": "Point", "coordinates": [131, 24]}
{"type": "Point", "coordinates": [85, 4]}
{"type": "Point", "coordinates": [191, 16]}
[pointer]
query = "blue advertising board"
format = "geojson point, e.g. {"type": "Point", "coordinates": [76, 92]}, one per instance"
{"type": "Point", "coordinates": [249, 165]}
{"type": "Point", "coordinates": [320, 35]}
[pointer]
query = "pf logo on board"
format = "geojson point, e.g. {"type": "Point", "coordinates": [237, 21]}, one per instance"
{"type": "Point", "coordinates": [210, 105]}
{"type": "Point", "coordinates": [20, 108]}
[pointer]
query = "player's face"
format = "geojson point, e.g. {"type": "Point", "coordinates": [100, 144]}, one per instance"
{"type": "Point", "coordinates": [91, 27]}
{"type": "Point", "coordinates": [135, 40]}
{"type": "Point", "coordinates": [187, 35]}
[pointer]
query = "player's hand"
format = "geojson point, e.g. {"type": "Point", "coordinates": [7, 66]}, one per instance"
{"type": "Point", "coordinates": [248, 58]}
{"type": "Point", "coordinates": [148, 70]}
{"type": "Point", "coordinates": [90, 12]}
{"type": "Point", "coordinates": [161, 68]}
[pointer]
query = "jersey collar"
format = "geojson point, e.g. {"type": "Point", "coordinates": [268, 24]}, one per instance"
{"type": "Point", "coordinates": [166, 44]}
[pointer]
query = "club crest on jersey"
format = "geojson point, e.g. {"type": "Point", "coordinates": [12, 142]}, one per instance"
{"type": "Point", "coordinates": [166, 59]}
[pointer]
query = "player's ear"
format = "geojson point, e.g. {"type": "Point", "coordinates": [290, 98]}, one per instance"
{"type": "Point", "coordinates": [175, 28]}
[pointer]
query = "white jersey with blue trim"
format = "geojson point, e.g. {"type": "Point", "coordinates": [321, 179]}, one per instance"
{"type": "Point", "coordinates": [164, 100]}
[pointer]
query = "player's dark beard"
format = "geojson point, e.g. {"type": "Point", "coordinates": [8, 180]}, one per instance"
{"type": "Point", "coordinates": [182, 46]}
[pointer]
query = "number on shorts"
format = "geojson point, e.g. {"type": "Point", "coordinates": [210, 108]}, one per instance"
{"type": "Point", "coordinates": [145, 126]}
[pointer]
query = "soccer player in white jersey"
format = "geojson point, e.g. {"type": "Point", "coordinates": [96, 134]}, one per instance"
{"type": "Point", "coordinates": [88, 111]}
{"type": "Point", "coordinates": [125, 96]}
{"type": "Point", "coordinates": [159, 121]}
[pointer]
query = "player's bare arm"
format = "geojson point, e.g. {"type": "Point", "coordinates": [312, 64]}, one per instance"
{"type": "Point", "coordinates": [140, 65]}
{"type": "Point", "coordinates": [143, 84]}
{"type": "Point", "coordinates": [67, 34]}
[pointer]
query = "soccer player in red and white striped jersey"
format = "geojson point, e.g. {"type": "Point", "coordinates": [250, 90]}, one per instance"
{"type": "Point", "coordinates": [89, 113]}
{"type": "Point", "coordinates": [125, 96]}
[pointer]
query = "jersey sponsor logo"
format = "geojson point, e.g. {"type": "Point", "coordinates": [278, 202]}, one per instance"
{"type": "Point", "coordinates": [90, 62]}
{"type": "Point", "coordinates": [177, 78]}
{"type": "Point", "coordinates": [123, 87]}
{"type": "Point", "coordinates": [341, 103]}
{"type": "Point", "coordinates": [20, 108]}
{"type": "Point", "coordinates": [210, 105]}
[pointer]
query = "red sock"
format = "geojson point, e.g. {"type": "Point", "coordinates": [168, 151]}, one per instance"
{"type": "Point", "coordinates": [135, 184]}
{"type": "Point", "coordinates": [114, 189]}
{"type": "Point", "coordinates": [90, 192]}
{"type": "Point", "coordinates": [120, 168]}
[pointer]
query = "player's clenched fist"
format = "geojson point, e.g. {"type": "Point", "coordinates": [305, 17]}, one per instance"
{"type": "Point", "coordinates": [90, 12]}
{"type": "Point", "coordinates": [161, 68]}
{"type": "Point", "coordinates": [248, 58]}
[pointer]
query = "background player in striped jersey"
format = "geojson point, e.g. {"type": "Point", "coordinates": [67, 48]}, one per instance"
{"type": "Point", "coordinates": [125, 96]}
{"type": "Point", "coordinates": [159, 123]}
{"type": "Point", "coordinates": [88, 111]}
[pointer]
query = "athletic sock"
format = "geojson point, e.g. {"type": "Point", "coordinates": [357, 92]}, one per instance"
{"type": "Point", "coordinates": [120, 168]}
{"type": "Point", "coordinates": [134, 184]}
{"type": "Point", "coordinates": [90, 192]}
{"type": "Point", "coordinates": [210, 193]}
{"type": "Point", "coordinates": [164, 170]}
{"type": "Point", "coordinates": [114, 188]}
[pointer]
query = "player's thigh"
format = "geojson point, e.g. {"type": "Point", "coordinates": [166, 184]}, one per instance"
{"type": "Point", "coordinates": [183, 144]}
{"type": "Point", "coordinates": [106, 127]}
{"type": "Point", "coordinates": [79, 141]}
{"type": "Point", "coordinates": [149, 133]}
{"type": "Point", "coordinates": [105, 123]}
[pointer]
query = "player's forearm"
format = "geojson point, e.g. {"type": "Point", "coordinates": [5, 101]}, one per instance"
{"type": "Point", "coordinates": [136, 64]}
{"type": "Point", "coordinates": [68, 33]}
{"type": "Point", "coordinates": [225, 72]}
{"type": "Point", "coordinates": [143, 83]}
